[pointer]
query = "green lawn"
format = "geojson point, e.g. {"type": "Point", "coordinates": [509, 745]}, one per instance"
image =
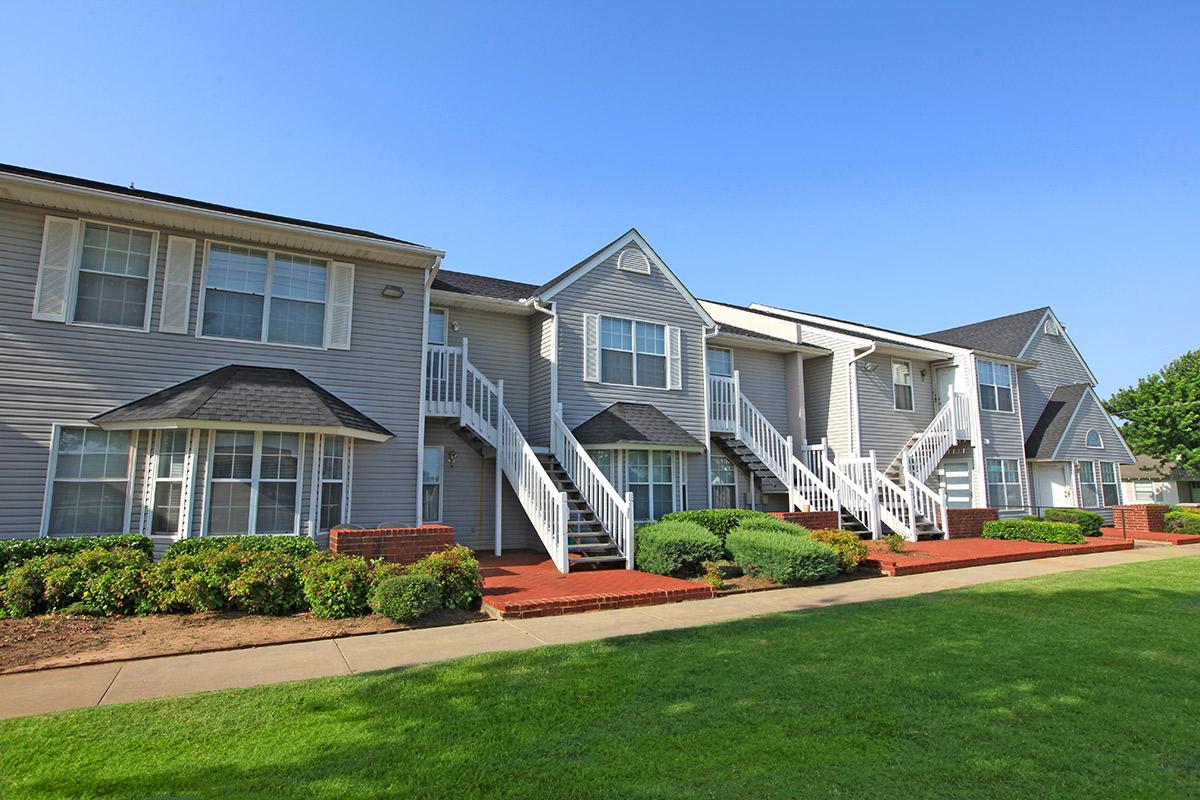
{"type": "Point", "coordinates": [1077, 685]}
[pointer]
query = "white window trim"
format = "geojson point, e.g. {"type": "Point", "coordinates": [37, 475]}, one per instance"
{"type": "Point", "coordinates": [319, 480]}
{"type": "Point", "coordinates": [185, 481]}
{"type": "Point", "coordinates": [1012, 391]}
{"type": "Point", "coordinates": [1019, 482]}
{"type": "Point", "coordinates": [441, 484]}
{"type": "Point", "coordinates": [1115, 482]}
{"type": "Point", "coordinates": [666, 356]}
{"type": "Point", "coordinates": [255, 470]}
{"type": "Point", "coordinates": [266, 320]}
{"type": "Point", "coordinates": [676, 483]}
{"type": "Point", "coordinates": [77, 268]}
{"type": "Point", "coordinates": [912, 392]}
{"type": "Point", "coordinates": [734, 485]}
{"type": "Point", "coordinates": [732, 366]}
{"type": "Point", "coordinates": [52, 468]}
{"type": "Point", "coordinates": [445, 330]}
{"type": "Point", "coordinates": [1087, 437]}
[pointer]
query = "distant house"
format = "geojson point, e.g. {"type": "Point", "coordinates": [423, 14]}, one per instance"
{"type": "Point", "coordinates": [1148, 481]}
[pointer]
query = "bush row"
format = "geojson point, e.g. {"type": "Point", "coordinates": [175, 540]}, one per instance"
{"type": "Point", "coordinates": [717, 521]}
{"type": "Point", "coordinates": [15, 552]}
{"type": "Point", "coordinates": [299, 546]}
{"type": "Point", "coordinates": [1183, 521]}
{"type": "Point", "coordinates": [781, 556]}
{"type": "Point", "coordinates": [1089, 522]}
{"type": "Point", "coordinates": [1033, 530]}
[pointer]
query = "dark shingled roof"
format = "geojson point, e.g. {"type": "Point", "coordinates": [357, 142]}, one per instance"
{"type": "Point", "coordinates": [1052, 424]}
{"type": "Point", "coordinates": [633, 423]}
{"type": "Point", "coordinates": [141, 194]}
{"type": "Point", "coordinates": [259, 395]}
{"type": "Point", "coordinates": [734, 330]}
{"type": "Point", "coordinates": [1005, 336]}
{"type": "Point", "coordinates": [482, 286]}
{"type": "Point", "coordinates": [1150, 469]}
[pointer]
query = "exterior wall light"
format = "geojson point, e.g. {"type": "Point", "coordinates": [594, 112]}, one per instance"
{"type": "Point", "coordinates": [392, 291]}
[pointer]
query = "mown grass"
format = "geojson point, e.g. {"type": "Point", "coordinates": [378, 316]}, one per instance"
{"type": "Point", "coordinates": [1077, 685]}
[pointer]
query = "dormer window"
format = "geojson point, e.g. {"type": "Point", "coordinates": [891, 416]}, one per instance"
{"type": "Point", "coordinates": [632, 259]}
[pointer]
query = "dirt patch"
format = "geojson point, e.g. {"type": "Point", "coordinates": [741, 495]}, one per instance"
{"type": "Point", "coordinates": [57, 641]}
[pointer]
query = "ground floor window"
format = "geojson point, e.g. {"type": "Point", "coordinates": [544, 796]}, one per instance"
{"type": "Point", "coordinates": [1144, 491]}
{"type": "Point", "coordinates": [1099, 486]}
{"type": "Point", "coordinates": [724, 483]}
{"type": "Point", "coordinates": [254, 482]}
{"type": "Point", "coordinates": [1110, 490]}
{"type": "Point", "coordinates": [650, 476]}
{"type": "Point", "coordinates": [1003, 483]}
{"type": "Point", "coordinates": [170, 465]}
{"type": "Point", "coordinates": [431, 484]}
{"type": "Point", "coordinates": [89, 482]}
{"type": "Point", "coordinates": [335, 453]}
{"type": "Point", "coordinates": [605, 460]}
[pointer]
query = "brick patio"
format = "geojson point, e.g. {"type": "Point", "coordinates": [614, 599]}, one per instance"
{"type": "Point", "coordinates": [1151, 536]}
{"type": "Point", "coordinates": [942, 554]}
{"type": "Point", "coordinates": [526, 584]}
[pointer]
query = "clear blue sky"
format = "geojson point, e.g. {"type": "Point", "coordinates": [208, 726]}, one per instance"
{"type": "Point", "coordinates": [913, 165]}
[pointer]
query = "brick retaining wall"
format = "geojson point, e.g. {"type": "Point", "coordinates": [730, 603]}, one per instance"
{"type": "Point", "coordinates": [1140, 518]}
{"type": "Point", "coordinates": [813, 520]}
{"type": "Point", "coordinates": [398, 545]}
{"type": "Point", "coordinates": [965, 522]}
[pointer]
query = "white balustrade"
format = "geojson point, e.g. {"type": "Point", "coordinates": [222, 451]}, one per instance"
{"type": "Point", "coordinates": [544, 504]}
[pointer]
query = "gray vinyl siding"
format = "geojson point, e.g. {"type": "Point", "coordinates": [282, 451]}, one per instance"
{"type": "Point", "coordinates": [607, 290]}
{"type": "Point", "coordinates": [54, 372]}
{"type": "Point", "coordinates": [826, 391]}
{"type": "Point", "coordinates": [1057, 366]}
{"type": "Point", "coordinates": [882, 428]}
{"type": "Point", "coordinates": [1003, 438]}
{"type": "Point", "coordinates": [541, 373]}
{"type": "Point", "coordinates": [1090, 415]}
{"type": "Point", "coordinates": [763, 380]}
{"type": "Point", "coordinates": [468, 496]}
{"type": "Point", "coordinates": [497, 344]}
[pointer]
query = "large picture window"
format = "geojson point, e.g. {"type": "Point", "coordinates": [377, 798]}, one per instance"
{"type": "Point", "coordinates": [902, 385]}
{"type": "Point", "coordinates": [259, 295]}
{"type": "Point", "coordinates": [89, 486]}
{"type": "Point", "coordinates": [724, 483]}
{"type": "Point", "coordinates": [1003, 483]}
{"type": "Point", "coordinates": [995, 386]}
{"type": "Point", "coordinates": [115, 266]}
{"type": "Point", "coordinates": [649, 475]}
{"type": "Point", "coordinates": [633, 353]}
{"type": "Point", "coordinates": [253, 482]}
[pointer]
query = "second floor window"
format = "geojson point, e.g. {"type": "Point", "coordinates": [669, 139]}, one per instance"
{"type": "Point", "coordinates": [263, 296]}
{"type": "Point", "coordinates": [436, 333]}
{"type": "Point", "coordinates": [995, 386]}
{"type": "Point", "coordinates": [720, 362]}
{"type": "Point", "coordinates": [115, 266]}
{"type": "Point", "coordinates": [902, 385]}
{"type": "Point", "coordinates": [633, 353]}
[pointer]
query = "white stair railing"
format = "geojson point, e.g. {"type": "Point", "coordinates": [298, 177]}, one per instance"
{"type": "Point", "coordinates": [895, 508]}
{"type": "Point", "coordinates": [722, 403]}
{"type": "Point", "coordinates": [928, 504]}
{"type": "Point", "coordinates": [614, 512]}
{"type": "Point", "coordinates": [455, 388]}
{"type": "Point", "coordinates": [851, 480]}
{"type": "Point", "coordinates": [443, 380]}
{"type": "Point", "coordinates": [544, 504]}
{"type": "Point", "coordinates": [939, 436]}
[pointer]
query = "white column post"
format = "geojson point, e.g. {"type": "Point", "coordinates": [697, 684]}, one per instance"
{"type": "Point", "coordinates": [499, 545]}
{"type": "Point", "coordinates": [563, 555]}
{"type": "Point", "coordinates": [945, 513]}
{"type": "Point", "coordinates": [629, 537]}
{"type": "Point", "coordinates": [737, 406]}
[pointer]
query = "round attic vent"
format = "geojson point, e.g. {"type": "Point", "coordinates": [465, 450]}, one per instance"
{"type": "Point", "coordinates": [633, 260]}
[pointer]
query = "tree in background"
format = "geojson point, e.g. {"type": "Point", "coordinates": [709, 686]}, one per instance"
{"type": "Point", "coordinates": [1162, 413]}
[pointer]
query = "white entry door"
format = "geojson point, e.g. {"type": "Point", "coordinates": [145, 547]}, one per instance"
{"type": "Point", "coordinates": [946, 377]}
{"type": "Point", "coordinates": [956, 478]}
{"type": "Point", "coordinates": [1052, 485]}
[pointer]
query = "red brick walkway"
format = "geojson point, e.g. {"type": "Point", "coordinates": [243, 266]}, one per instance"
{"type": "Point", "coordinates": [526, 584]}
{"type": "Point", "coordinates": [1151, 536]}
{"type": "Point", "coordinates": [941, 554]}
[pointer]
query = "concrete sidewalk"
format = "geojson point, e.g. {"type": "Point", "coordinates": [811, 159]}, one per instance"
{"type": "Point", "coordinates": [106, 684]}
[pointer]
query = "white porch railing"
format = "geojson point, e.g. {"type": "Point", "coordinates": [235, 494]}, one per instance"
{"type": "Point", "coordinates": [614, 512]}
{"type": "Point", "coordinates": [949, 426]}
{"type": "Point", "coordinates": [544, 504]}
{"type": "Point", "coordinates": [895, 510]}
{"type": "Point", "coordinates": [851, 480]}
{"type": "Point", "coordinates": [455, 388]}
{"type": "Point", "coordinates": [722, 403]}
{"type": "Point", "coordinates": [443, 380]}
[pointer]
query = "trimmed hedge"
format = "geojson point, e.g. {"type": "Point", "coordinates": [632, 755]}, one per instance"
{"type": "Point", "coordinates": [1032, 531]}
{"type": "Point", "coordinates": [718, 521]}
{"type": "Point", "coordinates": [850, 549]}
{"type": "Point", "coordinates": [770, 522]}
{"type": "Point", "coordinates": [781, 557]}
{"type": "Point", "coordinates": [408, 597]}
{"type": "Point", "coordinates": [1182, 522]}
{"type": "Point", "coordinates": [298, 546]}
{"type": "Point", "coordinates": [17, 551]}
{"type": "Point", "coordinates": [675, 547]}
{"type": "Point", "coordinates": [1089, 522]}
{"type": "Point", "coordinates": [335, 586]}
{"type": "Point", "coordinates": [455, 571]}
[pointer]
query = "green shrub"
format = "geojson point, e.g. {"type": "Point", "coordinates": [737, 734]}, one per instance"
{"type": "Point", "coordinates": [895, 543]}
{"type": "Point", "coordinates": [1033, 518]}
{"type": "Point", "coordinates": [115, 581]}
{"type": "Point", "coordinates": [63, 582]}
{"type": "Point", "coordinates": [769, 522]}
{"type": "Point", "coordinates": [713, 575]}
{"type": "Point", "coordinates": [850, 549]}
{"type": "Point", "coordinates": [408, 597]}
{"type": "Point", "coordinates": [22, 592]}
{"type": "Point", "coordinates": [456, 573]}
{"type": "Point", "coordinates": [194, 582]}
{"type": "Point", "coordinates": [1031, 531]}
{"type": "Point", "coordinates": [297, 546]}
{"type": "Point", "coordinates": [17, 551]}
{"type": "Point", "coordinates": [267, 583]}
{"type": "Point", "coordinates": [335, 586]}
{"type": "Point", "coordinates": [1089, 522]}
{"type": "Point", "coordinates": [718, 521]}
{"type": "Point", "coordinates": [381, 571]}
{"type": "Point", "coordinates": [675, 547]}
{"type": "Point", "coordinates": [781, 557]}
{"type": "Point", "coordinates": [1182, 522]}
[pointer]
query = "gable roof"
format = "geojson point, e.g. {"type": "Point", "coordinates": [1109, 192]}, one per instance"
{"type": "Point", "coordinates": [259, 396]}
{"type": "Point", "coordinates": [1146, 468]}
{"type": "Point", "coordinates": [482, 286]}
{"type": "Point", "coordinates": [1056, 417]}
{"type": "Point", "coordinates": [633, 423]}
{"type": "Point", "coordinates": [1006, 336]}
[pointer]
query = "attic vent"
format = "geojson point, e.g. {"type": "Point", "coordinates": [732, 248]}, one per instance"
{"type": "Point", "coordinates": [633, 260]}
{"type": "Point", "coordinates": [1053, 328]}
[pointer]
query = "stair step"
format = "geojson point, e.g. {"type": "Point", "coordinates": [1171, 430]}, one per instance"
{"type": "Point", "coordinates": [597, 559]}
{"type": "Point", "coordinates": [590, 546]}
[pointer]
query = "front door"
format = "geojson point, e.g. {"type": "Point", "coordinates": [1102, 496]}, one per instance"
{"type": "Point", "coordinates": [956, 479]}
{"type": "Point", "coordinates": [1052, 485]}
{"type": "Point", "coordinates": [946, 377]}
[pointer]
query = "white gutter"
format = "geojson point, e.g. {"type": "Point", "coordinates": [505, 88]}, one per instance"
{"type": "Point", "coordinates": [855, 433]}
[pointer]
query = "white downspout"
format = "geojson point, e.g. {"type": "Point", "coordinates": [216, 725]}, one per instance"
{"type": "Point", "coordinates": [707, 334]}
{"type": "Point", "coordinates": [855, 432]}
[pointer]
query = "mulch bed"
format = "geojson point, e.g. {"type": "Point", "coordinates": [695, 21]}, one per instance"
{"type": "Point", "coordinates": [59, 641]}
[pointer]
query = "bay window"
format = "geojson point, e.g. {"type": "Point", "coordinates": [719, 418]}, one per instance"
{"type": "Point", "coordinates": [1003, 483]}
{"type": "Point", "coordinates": [649, 475]}
{"type": "Point", "coordinates": [253, 482]}
{"type": "Point", "coordinates": [633, 353]}
{"type": "Point", "coordinates": [89, 482]}
{"type": "Point", "coordinates": [115, 266]}
{"type": "Point", "coordinates": [1110, 490]}
{"type": "Point", "coordinates": [995, 386]}
{"type": "Point", "coordinates": [262, 296]}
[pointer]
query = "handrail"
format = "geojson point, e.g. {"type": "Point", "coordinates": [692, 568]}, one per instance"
{"type": "Point", "coordinates": [614, 512]}
{"type": "Point", "coordinates": [443, 380]}
{"type": "Point", "coordinates": [722, 403]}
{"type": "Point", "coordinates": [481, 402]}
{"type": "Point", "coordinates": [545, 505]}
{"type": "Point", "coordinates": [928, 504]}
{"type": "Point", "coordinates": [894, 507]}
{"type": "Point", "coordinates": [454, 387]}
{"type": "Point", "coordinates": [852, 494]}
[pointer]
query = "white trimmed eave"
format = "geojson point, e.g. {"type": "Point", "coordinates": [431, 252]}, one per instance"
{"type": "Point", "coordinates": [496, 305]}
{"type": "Point", "coordinates": [211, 223]}
{"type": "Point", "coordinates": [217, 425]}
{"type": "Point", "coordinates": [725, 339]}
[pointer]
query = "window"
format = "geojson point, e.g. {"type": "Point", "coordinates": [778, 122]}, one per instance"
{"type": "Point", "coordinates": [1089, 493]}
{"type": "Point", "coordinates": [437, 326]}
{"type": "Point", "coordinates": [633, 353]}
{"type": "Point", "coordinates": [1094, 440]}
{"type": "Point", "coordinates": [902, 388]}
{"type": "Point", "coordinates": [1144, 491]}
{"type": "Point", "coordinates": [333, 482]}
{"type": "Point", "coordinates": [1109, 489]}
{"type": "Point", "coordinates": [724, 483]}
{"type": "Point", "coordinates": [604, 460]}
{"type": "Point", "coordinates": [1003, 483]}
{"type": "Point", "coordinates": [245, 287]}
{"type": "Point", "coordinates": [431, 485]}
{"type": "Point", "coordinates": [114, 275]}
{"type": "Point", "coordinates": [649, 475]}
{"type": "Point", "coordinates": [254, 482]}
{"type": "Point", "coordinates": [995, 386]}
{"type": "Point", "coordinates": [90, 482]}
{"type": "Point", "coordinates": [170, 462]}
{"type": "Point", "coordinates": [720, 362]}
